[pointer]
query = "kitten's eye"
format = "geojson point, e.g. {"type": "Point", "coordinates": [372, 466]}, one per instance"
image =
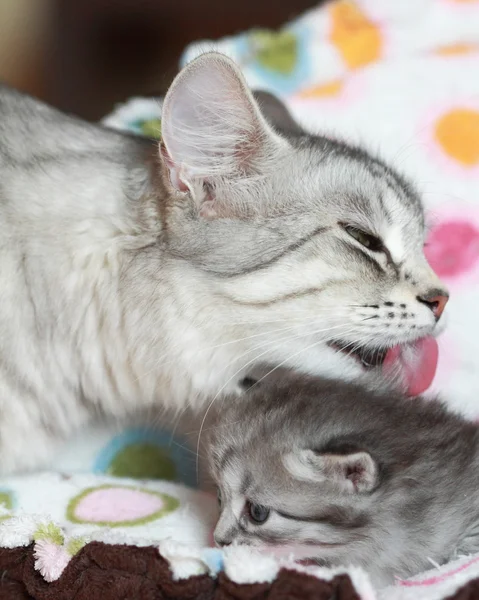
{"type": "Point", "coordinates": [257, 513]}
{"type": "Point", "coordinates": [218, 495]}
{"type": "Point", "coordinates": [371, 242]}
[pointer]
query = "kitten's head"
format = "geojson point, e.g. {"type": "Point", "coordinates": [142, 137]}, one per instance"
{"type": "Point", "coordinates": [313, 244]}
{"type": "Point", "coordinates": [327, 471]}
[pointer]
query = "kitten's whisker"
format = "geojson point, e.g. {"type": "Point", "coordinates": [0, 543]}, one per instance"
{"type": "Point", "coordinates": [236, 373]}
{"type": "Point", "coordinates": [177, 422]}
{"type": "Point", "coordinates": [187, 449]}
{"type": "Point", "coordinates": [264, 376]}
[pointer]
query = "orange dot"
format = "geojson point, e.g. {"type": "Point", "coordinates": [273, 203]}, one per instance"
{"type": "Point", "coordinates": [455, 49]}
{"type": "Point", "coordinates": [356, 37]}
{"type": "Point", "coordinates": [458, 134]}
{"type": "Point", "coordinates": [332, 88]}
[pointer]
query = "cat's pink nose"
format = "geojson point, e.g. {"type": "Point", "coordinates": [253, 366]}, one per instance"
{"type": "Point", "coordinates": [436, 300]}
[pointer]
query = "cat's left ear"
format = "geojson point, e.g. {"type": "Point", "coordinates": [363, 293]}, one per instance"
{"type": "Point", "coordinates": [353, 472]}
{"type": "Point", "coordinates": [216, 139]}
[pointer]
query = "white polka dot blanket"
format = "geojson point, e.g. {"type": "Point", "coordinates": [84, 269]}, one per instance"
{"type": "Point", "coordinates": [401, 78]}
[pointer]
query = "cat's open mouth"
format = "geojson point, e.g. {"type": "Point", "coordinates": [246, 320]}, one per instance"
{"type": "Point", "coordinates": [369, 357]}
{"type": "Point", "coordinates": [416, 362]}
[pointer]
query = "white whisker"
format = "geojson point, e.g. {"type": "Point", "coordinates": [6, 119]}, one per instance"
{"type": "Point", "coordinates": [236, 373]}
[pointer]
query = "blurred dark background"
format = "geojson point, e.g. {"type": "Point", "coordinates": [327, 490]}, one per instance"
{"type": "Point", "coordinates": [84, 56]}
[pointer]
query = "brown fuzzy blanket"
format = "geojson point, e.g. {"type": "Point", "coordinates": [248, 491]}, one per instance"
{"type": "Point", "coordinates": [117, 572]}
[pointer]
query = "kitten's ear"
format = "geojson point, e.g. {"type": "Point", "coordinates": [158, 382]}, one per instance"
{"type": "Point", "coordinates": [353, 472]}
{"type": "Point", "coordinates": [213, 131]}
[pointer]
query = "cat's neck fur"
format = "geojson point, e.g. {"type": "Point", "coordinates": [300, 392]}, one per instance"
{"type": "Point", "coordinates": [87, 291]}
{"type": "Point", "coordinates": [88, 265]}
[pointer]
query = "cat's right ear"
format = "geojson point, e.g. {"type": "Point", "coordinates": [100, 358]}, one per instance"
{"type": "Point", "coordinates": [214, 134]}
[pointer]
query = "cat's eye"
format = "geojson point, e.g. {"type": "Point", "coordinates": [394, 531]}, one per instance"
{"type": "Point", "coordinates": [218, 496]}
{"type": "Point", "coordinates": [369, 241]}
{"type": "Point", "coordinates": [257, 513]}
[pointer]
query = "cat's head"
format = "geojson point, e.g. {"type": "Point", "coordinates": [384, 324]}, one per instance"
{"type": "Point", "coordinates": [314, 246]}
{"type": "Point", "coordinates": [315, 469]}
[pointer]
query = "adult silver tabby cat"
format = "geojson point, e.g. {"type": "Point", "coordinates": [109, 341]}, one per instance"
{"type": "Point", "coordinates": [330, 471]}
{"type": "Point", "coordinates": [131, 277]}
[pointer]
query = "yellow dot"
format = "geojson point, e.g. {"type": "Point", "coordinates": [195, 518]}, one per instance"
{"type": "Point", "coordinates": [455, 49]}
{"type": "Point", "coordinates": [458, 134]}
{"type": "Point", "coordinates": [356, 37]}
{"type": "Point", "coordinates": [332, 88]}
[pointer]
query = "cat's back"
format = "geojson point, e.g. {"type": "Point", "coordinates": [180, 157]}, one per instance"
{"type": "Point", "coordinates": [57, 170]}
{"type": "Point", "coordinates": [32, 131]}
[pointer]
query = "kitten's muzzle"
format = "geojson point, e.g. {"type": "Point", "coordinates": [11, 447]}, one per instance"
{"type": "Point", "coordinates": [223, 540]}
{"type": "Point", "coordinates": [222, 543]}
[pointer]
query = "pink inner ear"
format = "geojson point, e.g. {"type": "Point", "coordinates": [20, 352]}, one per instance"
{"type": "Point", "coordinates": [247, 147]}
{"type": "Point", "coordinates": [173, 170]}
{"type": "Point", "coordinates": [355, 473]}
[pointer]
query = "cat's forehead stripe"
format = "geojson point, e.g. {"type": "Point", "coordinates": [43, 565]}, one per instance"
{"type": "Point", "coordinates": [384, 209]}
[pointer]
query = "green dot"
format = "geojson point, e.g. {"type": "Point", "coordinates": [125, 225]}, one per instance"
{"type": "Point", "coordinates": [151, 128]}
{"type": "Point", "coordinates": [143, 461]}
{"type": "Point", "coordinates": [6, 500]}
{"type": "Point", "coordinates": [275, 51]}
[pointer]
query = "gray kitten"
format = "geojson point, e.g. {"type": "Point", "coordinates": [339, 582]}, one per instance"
{"type": "Point", "coordinates": [347, 476]}
{"type": "Point", "coordinates": [134, 277]}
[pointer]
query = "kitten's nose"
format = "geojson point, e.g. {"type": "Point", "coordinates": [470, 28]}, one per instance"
{"type": "Point", "coordinates": [436, 300]}
{"type": "Point", "coordinates": [222, 541]}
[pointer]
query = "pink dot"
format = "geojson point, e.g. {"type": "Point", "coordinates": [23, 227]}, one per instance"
{"type": "Point", "coordinates": [453, 248]}
{"type": "Point", "coordinates": [117, 505]}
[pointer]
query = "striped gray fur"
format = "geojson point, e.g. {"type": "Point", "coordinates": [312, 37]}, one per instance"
{"type": "Point", "coordinates": [135, 277]}
{"type": "Point", "coordinates": [347, 476]}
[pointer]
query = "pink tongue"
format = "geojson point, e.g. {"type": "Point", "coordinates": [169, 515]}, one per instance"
{"type": "Point", "coordinates": [419, 368]}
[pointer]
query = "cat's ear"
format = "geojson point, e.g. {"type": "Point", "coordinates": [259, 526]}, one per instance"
{"type": "Point", "coordinates": [353, 472]}
{"type": "Point", "coordinates": [276, 113]}
{"type": "Point", "coordinates": [213, 131]}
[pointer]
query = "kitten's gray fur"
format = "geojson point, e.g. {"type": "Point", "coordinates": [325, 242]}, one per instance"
{"type": "Point", "coordinates": [132, 278]}
{"type": "Point", "coordinates": [388, 482]}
